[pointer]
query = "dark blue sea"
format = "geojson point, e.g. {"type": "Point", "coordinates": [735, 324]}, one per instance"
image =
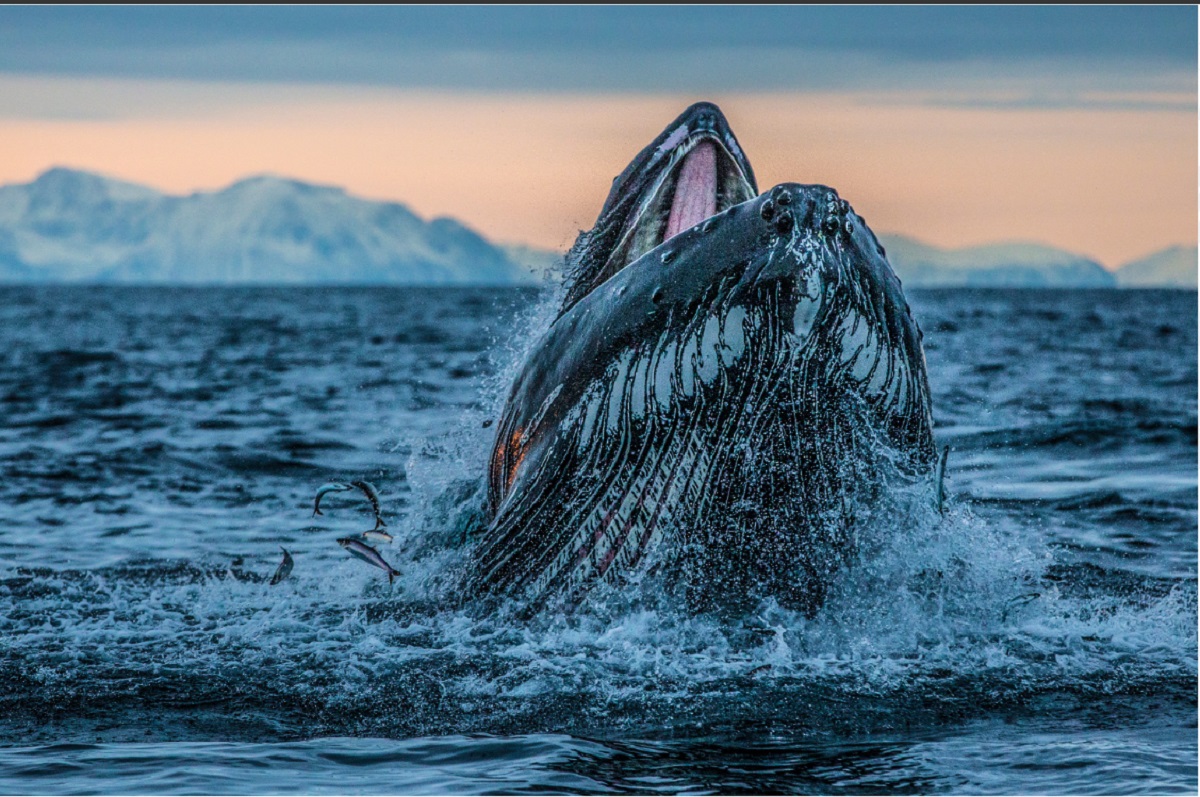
{"type": "Point", "coordinates": [158, 446]}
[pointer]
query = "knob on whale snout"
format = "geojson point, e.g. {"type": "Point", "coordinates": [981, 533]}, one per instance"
{"type": "Point", "coordinates": [787, 206]}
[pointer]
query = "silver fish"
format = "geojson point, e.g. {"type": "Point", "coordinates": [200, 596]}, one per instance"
{"type": "Point", "coordinates": [373, 496]}
{"type": "Point", "coordinates": [369, 555]}
{"type": "Point", "coordinates": [331, 487]}
{"type": "Point", "coordinates": [378, 535]}
{"type": "Point", "coordinates": [285, 568]}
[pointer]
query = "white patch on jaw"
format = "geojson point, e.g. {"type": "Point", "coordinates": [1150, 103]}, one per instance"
{"type": "Point", "coordinates": [902, 392]}
{"type": "Point", "coordinates": [592, 402]}
{"type": "Point", "coordinates": [802, 319]}
{"type": "Point", "coordinates": [865, 360]}
{"type": "Point", "coordinates": [883, 372]}
{"type": "Point", "coordinates": [677, 135]}
{"type": "Point", "coordinates": [616, 395]}
{"type": "Point", "coordinates": [812, 284]}
{"type": "Point", "coordinates": [637, 397]}
{"type": "Point", "coordinates": [855, 335]}
{"type": "Point", "coordinates": [663, 371]}
{"type": "Point", "coordinates": [733, 335]}
{"type": "Point", "coordinates": [895, 389]}
{"type": "Point", "coordinates": [710, 350]}
{"type": "Point", "coordinates": [688, 362]}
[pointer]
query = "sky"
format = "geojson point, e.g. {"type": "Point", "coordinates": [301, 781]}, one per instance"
{"type": "Point", "coordinates": [1074, 127]}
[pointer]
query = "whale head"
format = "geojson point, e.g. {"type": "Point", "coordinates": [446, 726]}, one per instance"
{"type": "Point", "coordinates": [722, 398]}
{"type": "Point", "coordinates": [692, 170]}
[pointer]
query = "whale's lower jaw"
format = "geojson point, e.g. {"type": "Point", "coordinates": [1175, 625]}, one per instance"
{"type": "Point", "coordinates": [731, 476]}
{"type": "Point", "coordinates": [714, 411]}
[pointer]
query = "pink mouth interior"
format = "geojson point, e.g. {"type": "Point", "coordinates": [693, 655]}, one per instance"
{"type": "Point", "coordinates": [696, 190]}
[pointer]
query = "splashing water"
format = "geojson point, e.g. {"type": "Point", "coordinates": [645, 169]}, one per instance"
{"type": "Point", "coordinates": [134, 603]}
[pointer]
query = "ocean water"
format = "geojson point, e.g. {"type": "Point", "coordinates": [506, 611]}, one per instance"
{"type": "Point", "coordinates": [159, 446]}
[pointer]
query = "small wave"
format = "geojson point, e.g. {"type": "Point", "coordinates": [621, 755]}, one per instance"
{"type": "Point", "coordinates": [933, 612]}
{"type": "Point", "coordinates": [77, 358]}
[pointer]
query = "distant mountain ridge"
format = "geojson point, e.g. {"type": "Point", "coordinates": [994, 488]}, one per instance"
{"type": "Point", "coordinates": [1020, 264]}
{"type": "Point", "coordinates": [992, 265]}
{"type": "Point", "coordinates": [74, 226]}
{"type": "Point", "coordinates": [1174, 266]}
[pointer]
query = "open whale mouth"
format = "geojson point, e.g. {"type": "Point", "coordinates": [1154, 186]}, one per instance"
{"type": "Point", "coordinates": [702, 179]}
{"type": "Point", "coordinates": [694, 169]}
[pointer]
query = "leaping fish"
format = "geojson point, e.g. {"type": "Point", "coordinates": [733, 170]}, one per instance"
{"type": "Point", "coordinates": [331, 487]}
{"type": "Point", "coordinates": [285, 568]}
{"type": "Point", "coordinates": [369, 555]}
{"type": "Point", "coordinates": [373, 496]}
{"type": "Point", "coordinates": [378, 535]}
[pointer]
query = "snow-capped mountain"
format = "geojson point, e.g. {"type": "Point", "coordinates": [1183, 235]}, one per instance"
{"type": "Point", "coordinates": [992, 265]}
{"type": "Point", "coordinates": [1173, 267]}
{"type": "Point", "coordinates": [69, 225]}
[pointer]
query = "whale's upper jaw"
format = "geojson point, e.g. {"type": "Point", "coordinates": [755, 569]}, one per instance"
{"type": "Point", "coordinates": [698, 122]}
{"type": "Point", "coordinates": [694, 169]}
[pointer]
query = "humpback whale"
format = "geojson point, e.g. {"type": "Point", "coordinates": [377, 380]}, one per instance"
{"type": "Point", "coordinates": [726, 378]}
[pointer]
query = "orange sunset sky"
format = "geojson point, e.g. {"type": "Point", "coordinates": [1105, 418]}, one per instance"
{"type": "Point", "coordinates": [1096, 153]}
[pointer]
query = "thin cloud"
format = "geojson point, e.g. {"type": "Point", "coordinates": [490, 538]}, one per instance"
{"type": "Point", "coordinates": [601, 49]}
